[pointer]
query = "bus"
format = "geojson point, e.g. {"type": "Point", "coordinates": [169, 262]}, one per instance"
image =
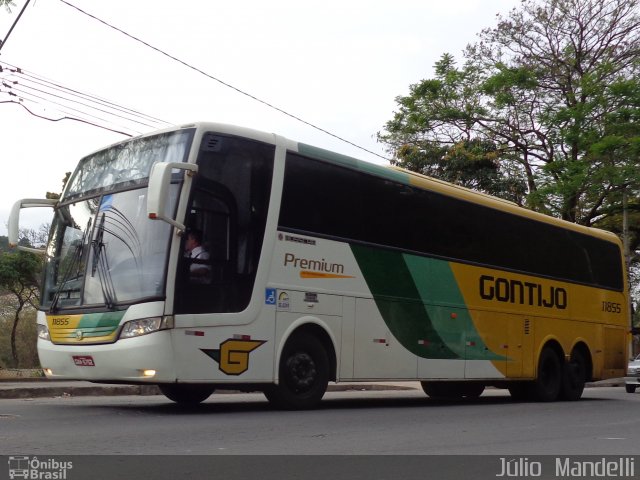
{"type": "Point", "coordinates": [318, 268]}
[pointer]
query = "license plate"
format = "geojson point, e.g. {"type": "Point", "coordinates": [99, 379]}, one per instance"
{"type": "Point", "coordinates": [83, 361]}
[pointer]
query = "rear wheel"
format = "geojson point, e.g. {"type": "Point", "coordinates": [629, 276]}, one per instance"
{"type": "Point", "coordinates": [185, 394]}
{"type": "Point", "coordinates": [303, 374]}
{"type": "Point", "coordinates": [574, 377]}
{"type": "Point", "coordinates": [630, 388]}
{"type": "Point", "coordinates": [546, 388]}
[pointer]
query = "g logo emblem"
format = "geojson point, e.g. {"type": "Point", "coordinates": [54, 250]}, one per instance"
{"type": "Point", "coordinates": [233, 356]}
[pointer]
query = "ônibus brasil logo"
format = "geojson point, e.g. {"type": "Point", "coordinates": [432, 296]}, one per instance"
{"type": "Point", "coordinates": [34, 469]}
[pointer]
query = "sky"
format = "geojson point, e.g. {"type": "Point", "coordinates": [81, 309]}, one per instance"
{"type": "Point", "coordinates": [337, 64]}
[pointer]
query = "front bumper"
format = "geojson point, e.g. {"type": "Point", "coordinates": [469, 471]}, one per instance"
{"type": "Point", "coordinates": [124, 361]}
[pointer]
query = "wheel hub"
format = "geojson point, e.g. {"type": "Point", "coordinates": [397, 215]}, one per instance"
{"type": "Point", "coordinates": [302, 371]}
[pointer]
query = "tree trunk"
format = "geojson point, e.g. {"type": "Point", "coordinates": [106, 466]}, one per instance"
{"type": "Point", "coordinates": [14, 331]}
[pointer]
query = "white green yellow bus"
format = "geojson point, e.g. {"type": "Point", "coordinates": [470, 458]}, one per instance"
{"type": "Point", "coordinates": [319, 268]}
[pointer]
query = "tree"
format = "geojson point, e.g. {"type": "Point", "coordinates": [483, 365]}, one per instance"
{"type": "Point", "coordinates": [36, 238]}
{"type": "Point", "coordinates": [7, 4]}
{"type": "Point", "coordinates": [435, 133]}
{"type": "Point", "coordinates": [554, 89]}
{"type": "Point", "coordinates": [19, 274]}
{"type": "Point", "coordinates": [4, 244]}
{"type": "Point", "coordinates": [552, 94]}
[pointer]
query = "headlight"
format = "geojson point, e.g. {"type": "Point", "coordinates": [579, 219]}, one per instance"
{"type": "Point", "coordinates": [135, 328]}
{"type": "Point", "coordinates": [43, 332]}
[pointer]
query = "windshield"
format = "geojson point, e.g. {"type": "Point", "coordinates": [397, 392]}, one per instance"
{"type": "Point", "coordinates": [103, 250]}
{"type": "Point", "coordinates": [127, 164]}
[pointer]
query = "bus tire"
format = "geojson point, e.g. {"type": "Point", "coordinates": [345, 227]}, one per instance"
{"type": "Point", "coordinates": [630, 388]}
{"type": "Point", "coordinates": [303, 374]}
{"type": "Point", "coordinates": [186, 394]}
{"type": "Point", "coordinates": [574, 377]}
{"type": "Point", "coordinates": [548, 384]}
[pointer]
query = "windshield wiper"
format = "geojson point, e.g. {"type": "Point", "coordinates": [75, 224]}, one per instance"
{"type": "Point", "coordinates": [75, 260]}
{"type": "Point", "coordinates": [101, 264]}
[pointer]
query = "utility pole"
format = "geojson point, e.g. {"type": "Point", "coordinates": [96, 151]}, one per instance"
{"type": "Point", "coordinates": [625, 229]}
{"type": "Point", "coordinates": [627, 258]}
{"type": "Point", "coordinates": [3, 42]}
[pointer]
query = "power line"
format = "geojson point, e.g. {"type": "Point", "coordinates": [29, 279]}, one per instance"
{"type": "Point", "coordinates": [32, 76]}
{"type": "Point", "coordinates": [56, 90]}
{"type": "Point", "coordinates": [72, 104]}
{"type": "Point", "coordinates": [39, 90]}
{"type": "Point", "coordinates": [226, 84]}
{"type": "Point", "coordinates": [64, 118]}
{"type": "Point", "coordinates": [29, 97]}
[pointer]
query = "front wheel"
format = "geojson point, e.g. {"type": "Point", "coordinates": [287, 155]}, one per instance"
{"type": "Point", "coordinates": [303, 374]}
{"type": "Point", "coordinates": [185, 394]}
{"type": "Point", "coordinates": [630, 388]}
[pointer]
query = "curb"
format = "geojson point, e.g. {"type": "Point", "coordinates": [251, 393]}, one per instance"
{"type": "Point", "coordinates": [79, 391]}
{"type": "Point", "coordinates": [52, 391]}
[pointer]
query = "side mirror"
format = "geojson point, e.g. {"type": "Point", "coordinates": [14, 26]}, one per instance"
{"type": "Point", "coordinates": [159, 183]}
{"type": "Point", "coordinates": [14, 220]}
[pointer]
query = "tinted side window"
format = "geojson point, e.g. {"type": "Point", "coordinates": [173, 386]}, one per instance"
{"type": "Point", "coordinates": [333, 201]}
{"type": "Point", "coordinates": [322, 198]}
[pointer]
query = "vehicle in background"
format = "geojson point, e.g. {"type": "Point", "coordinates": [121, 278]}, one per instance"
{"type": "Point", "coordinates": [632, 380]}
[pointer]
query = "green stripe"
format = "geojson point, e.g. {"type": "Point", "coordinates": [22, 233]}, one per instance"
{"type": "Point", "coordinates": [399, 302]}
{"type": "Point", "coordinates": [99, 324]}
{"type": "Point", "coordinates": [416, 297]}
{"type": "Point", "coordinates": [97, 320]}
{"type": "Point", "coordinates": [353, 163]}
{"type": "Point", "coordinates": [441, 296]}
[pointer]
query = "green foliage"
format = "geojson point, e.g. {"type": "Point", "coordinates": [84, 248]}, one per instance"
{"type": "Point", "coordinates": [19, 271]}
{"type": "Point", "coordinates": [545, 110]}
{"type": "Point", "coordinates": [19, 275]}
{"type": "Point", "coordinates": [435, 132]}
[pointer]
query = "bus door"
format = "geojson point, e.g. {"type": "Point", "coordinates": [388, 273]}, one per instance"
{"type": "Point", "coordinates": [206, 271]}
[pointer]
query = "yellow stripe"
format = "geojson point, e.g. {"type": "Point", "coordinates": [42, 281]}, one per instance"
{"type": "Point", "coordinates": [310, 274]}
{"type": "Point", "coordinates": [65, 329]}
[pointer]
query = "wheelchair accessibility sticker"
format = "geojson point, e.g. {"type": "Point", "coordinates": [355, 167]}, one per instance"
{"type": "Point", "coordinates": [270, 296]}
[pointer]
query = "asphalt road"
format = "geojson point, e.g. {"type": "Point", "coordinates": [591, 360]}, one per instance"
{"type": "Point", "coordinates": [605, 422]}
